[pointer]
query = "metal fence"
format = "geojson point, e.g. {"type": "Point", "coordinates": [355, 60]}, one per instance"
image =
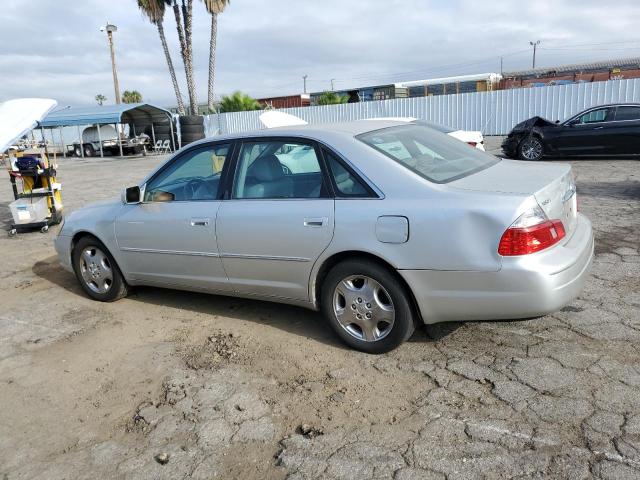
{"type": "Point", "coordinates": [493, 113]}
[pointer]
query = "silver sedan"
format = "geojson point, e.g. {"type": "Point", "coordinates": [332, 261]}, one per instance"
{"type": "Point", "coordinates": [379, 224]}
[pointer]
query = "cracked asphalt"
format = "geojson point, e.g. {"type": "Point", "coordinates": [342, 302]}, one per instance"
{"type": "Point", "coordinates": [171, 385]}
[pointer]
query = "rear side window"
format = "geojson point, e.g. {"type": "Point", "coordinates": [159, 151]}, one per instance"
{"type": "Point", "coordinates": [278, 169]}
{"type": "Point", "coordinates": [346, 183]}
{"type": "Point", "coordinates": [628, 113]}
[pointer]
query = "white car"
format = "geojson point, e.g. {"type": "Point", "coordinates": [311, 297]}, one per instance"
{"type": "Point", "coordinates": [472, 137]}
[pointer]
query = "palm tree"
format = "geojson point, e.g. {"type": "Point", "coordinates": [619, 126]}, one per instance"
{"type": "Point", "coordinates": [131, 96]}
{"type": "Point", "coordinates": [100, 98]}
{"type": "Point", "coordinates": [184, 16]}
{"type": "Point", "coordinates": [154, 10]}
{"type": "Point", "coordinates": [331, 98]}
{"type": "Point", "coordinates": [238, 102]}
{"type": "Point", "coordinates": [214, 7]}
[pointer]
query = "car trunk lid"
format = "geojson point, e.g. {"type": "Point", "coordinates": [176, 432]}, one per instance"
{"type": "Point", "coordinates": [551, 185]}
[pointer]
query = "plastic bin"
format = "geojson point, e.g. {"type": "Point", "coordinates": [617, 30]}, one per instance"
{"type": "Point", "coordinates": [29, 210]}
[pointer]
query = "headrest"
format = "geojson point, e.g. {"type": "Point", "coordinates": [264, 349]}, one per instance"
{"type": "Point", "coordinates": [266, 169]}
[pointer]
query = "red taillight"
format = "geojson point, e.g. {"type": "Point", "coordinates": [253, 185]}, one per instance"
{"type": "Point", "coordinates": [525, 240]}
{"type": "Point", "coordinates": [473, 144]}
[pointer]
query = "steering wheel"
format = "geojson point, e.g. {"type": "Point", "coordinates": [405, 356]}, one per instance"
{"type": "Point", "coordinates": [286, 170]}
{"type": "Point", "coordinates": [192, 187]}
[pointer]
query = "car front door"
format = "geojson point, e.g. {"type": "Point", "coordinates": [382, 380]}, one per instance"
{"type": "Point", "coordinates": [588, 134]}
{"type": "Point", "coordinates": [170, 238]}
{"type": "Point", "coordinates": [278, 219]}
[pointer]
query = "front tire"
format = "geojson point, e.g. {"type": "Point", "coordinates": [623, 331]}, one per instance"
{"type": "Point", "coordinates": [367, 306]}
{"type": "Point", "coordinates": [531, 148]}
{"type": "Point", "coordinates": [97, 271]}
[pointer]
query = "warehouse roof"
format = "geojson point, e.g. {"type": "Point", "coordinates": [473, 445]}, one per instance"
{"type": "Point", "coordinates": [621, 62]}
{"type": "Point", "coordinates": [105, 114]}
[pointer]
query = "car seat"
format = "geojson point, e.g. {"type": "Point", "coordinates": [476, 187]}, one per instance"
{"type": "Point", "coordinates": [266, 179]}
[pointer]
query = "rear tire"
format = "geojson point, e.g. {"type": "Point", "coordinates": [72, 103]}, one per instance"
{"type": "Point", "coordinates": [531, 148]}
{"type": "Point", "coordinates": [367, 306]}
{"type": "Point", "coordinates": [97, 271]}
{"type": "Point", "coordinates": [89, 151]}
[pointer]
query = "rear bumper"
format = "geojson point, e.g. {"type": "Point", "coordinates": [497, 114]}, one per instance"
{"type": "Point", "coordinates": [527, 286]}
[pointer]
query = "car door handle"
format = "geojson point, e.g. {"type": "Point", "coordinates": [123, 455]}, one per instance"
{"type": "Point", "coordinates": [200, 222]}
{"type": "Point", "coordinates": [315, 222]}
{"type": "Point", "coordinates": [598, 128]}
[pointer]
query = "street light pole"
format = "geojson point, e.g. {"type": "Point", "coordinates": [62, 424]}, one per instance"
{"type": "Point", "coordinates": [110, 29]}
{"type": "Point", "coordinates": [304, 80]}
{"type": "Point", "coordinates": [332, 87]}
{"type": "Point", "coordinates": [534, 45]}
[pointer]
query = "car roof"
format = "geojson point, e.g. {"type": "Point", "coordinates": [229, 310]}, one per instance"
{"type": "Point", "coordinates": [624, 104]}
{"type": "Point", "coordinates": [317, 131]}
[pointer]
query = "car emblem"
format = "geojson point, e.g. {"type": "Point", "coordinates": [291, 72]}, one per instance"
{"type": "Point", "coordinates": [546, 202]}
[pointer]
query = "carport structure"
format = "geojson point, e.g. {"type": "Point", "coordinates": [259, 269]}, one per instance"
{"type": "Point", "coordinates": [139, 117]}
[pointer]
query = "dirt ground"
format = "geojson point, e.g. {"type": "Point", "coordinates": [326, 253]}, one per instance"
{"type": "Point", "coordinates": [169, 385]}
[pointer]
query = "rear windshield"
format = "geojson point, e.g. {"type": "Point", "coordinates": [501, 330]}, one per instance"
{"type": "Point", "coordinates": [436, 126]}
{"type": "Point", "coordinates": [433, 155]}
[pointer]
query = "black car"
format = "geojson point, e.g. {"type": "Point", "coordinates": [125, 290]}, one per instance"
{"type": "Point", "coordinates": [604, 130]}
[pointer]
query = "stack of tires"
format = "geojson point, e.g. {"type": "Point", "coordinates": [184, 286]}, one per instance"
{"type": "Point", "coordinates": [191, 128]}
{"type": "Point", "coordinates": [162, 132]}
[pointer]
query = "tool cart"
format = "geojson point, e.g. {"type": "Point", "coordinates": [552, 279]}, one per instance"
{"type": "Point", "coordinates": [37, 201]}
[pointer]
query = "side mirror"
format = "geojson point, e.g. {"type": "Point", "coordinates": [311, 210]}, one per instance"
{"type": "Point", "coordinates": [132, 195]}
{"type": "Point", "coordinates": [557, 121]}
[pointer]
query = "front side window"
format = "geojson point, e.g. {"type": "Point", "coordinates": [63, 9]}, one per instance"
{"type": "Point", "coordinates": [278, 169]}
{"type": "Point", "coordinates": [430, 154]}
{"type": "Point", "coordinates": [599, 115]}
{"type": "Point", "coordinates": [193, 177]}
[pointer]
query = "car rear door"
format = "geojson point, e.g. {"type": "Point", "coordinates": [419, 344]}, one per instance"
{"type": "Point", "coordinates": [170, 238]}
{"type": "Point", "coordinates": [627, 128]}
{"type": "Point", "coordinates": [590, 133]}
{"type": "Point", "coordinates": [277, 218]}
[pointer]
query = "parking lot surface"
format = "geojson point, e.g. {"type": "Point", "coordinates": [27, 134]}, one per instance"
{"type": "Point", "coordinates": [168, 385]}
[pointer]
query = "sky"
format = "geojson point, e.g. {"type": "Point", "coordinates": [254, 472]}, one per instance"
{"type": "Point", "coordinates": [55, 48]}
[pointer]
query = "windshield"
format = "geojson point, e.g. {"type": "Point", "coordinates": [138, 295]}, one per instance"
{"type": "Point", "coordinates": [433, 155]}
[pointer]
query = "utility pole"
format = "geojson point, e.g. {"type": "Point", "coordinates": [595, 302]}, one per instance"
{"type": "Point", "coordinates": [304, 82]}
{"type": "Point", "coordinates": [110, 29]}
{"type": "Point", "coordinates": [534, 45]}
{"type": "Point", "coordinates": [332, 87]}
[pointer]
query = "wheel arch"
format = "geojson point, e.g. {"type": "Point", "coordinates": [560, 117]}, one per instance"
{"type": "Point", "coordinates": [77, 236]}
{"type": "Point", "coordinates": [333, 260]}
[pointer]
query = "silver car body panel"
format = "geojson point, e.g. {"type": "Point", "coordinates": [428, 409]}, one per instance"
{"type": "Point", "coordinates": [268, 247]}
{"type": "Point", "coordinates": [275, 249]}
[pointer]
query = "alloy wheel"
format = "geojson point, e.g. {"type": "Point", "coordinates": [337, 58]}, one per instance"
{"type": "Point", "coordinates": [96, 270]}
{"type": "Point", "coordinates": [363, 308]}
{"type": "Point", "coordinates": [532, 149]}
